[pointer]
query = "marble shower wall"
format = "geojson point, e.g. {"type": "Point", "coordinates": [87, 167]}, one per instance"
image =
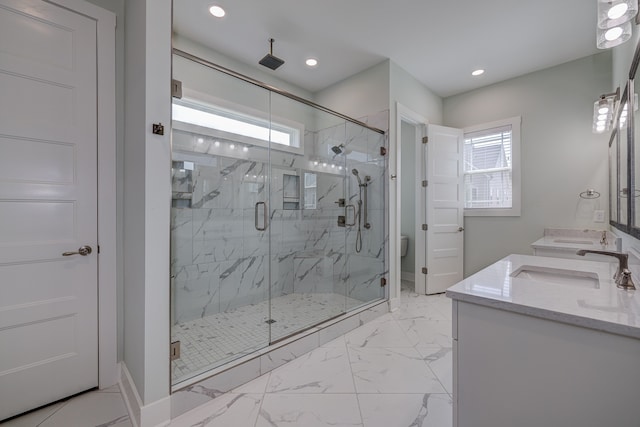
{"type": "Point", "coordinates": [220, 261]}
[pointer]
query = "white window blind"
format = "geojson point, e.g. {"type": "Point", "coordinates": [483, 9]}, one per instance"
{"type": "Point", "coordinates": [488, 168]}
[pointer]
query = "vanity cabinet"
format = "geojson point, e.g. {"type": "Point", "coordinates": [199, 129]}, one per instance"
{"type": "Point", "coordinates": [512, 369]}
{"type": "Point", "coordinates": [560, 348]}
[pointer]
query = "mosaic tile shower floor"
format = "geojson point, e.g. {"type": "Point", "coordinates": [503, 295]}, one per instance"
{"type": "Point", "coordinates": [213, 340]}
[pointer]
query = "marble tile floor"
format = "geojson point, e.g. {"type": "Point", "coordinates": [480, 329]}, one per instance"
{"type": "Point", "coordinates": [395, 371]}
{"type": "Point", "coordinates": [98, 408]}
{"type": "Point", "coordinates": [214, 340]}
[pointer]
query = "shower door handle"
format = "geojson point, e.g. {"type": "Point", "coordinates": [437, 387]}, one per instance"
{"type": "Point", "coordinates": [264, 214]}
{"type": "Point", "coordinates": [354, 215]}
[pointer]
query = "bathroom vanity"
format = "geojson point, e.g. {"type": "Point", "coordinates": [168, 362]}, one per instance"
{"type": "Point", "coordinates": [541, 341]}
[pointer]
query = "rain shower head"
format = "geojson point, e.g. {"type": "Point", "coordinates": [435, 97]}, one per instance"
{"type": "Point", "coordinates": [269, 60]}
{"type": "Point", "coordinates": [355, 172]}
{"type": "Point", "coordinates": [337, 148]}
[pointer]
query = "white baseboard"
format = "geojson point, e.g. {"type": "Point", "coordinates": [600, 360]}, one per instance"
{"type": "Point", "coordinates": [405, 275]}
{"type": "Point", "coordinates": [155, 414]}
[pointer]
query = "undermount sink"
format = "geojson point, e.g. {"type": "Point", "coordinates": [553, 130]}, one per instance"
{"type": "Point", "coordinates": [574, 241]}
{"type": "Point", "coordinates": [557, 276]}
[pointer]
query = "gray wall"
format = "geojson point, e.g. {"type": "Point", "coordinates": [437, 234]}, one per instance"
{"type": "Point", "coordinates": [117, 7]}
{"type": "Point", "coordinates": [407, 192]}
{"type": "Point", "coordinates": [405, 89]}
{"type": "Point", "coordinates": [360, 95]}
{"type": "Point", "coordinates": [560, 155]}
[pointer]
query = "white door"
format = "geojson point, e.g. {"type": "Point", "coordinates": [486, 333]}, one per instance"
{"type": "Point", "coordinates": [48, 205]}
{"type": "Point", "coordinates": [444, 208]}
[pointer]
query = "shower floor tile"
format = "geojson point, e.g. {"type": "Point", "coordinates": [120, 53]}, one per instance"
{"type": "Point", "coordinates": [213, 340]}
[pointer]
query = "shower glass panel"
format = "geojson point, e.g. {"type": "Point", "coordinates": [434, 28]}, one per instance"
{"type": "Point", "coordinates": [367, 238]}
{"type": "Point", "coordinates": [219, 232]}
{"type": "Point", "coordinates": [278, 217]}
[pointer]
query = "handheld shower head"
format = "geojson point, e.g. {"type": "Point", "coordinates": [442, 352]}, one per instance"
{"type": "Point", "coordinates": [355, 172]}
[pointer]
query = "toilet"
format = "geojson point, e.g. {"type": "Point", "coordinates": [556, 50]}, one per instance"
{"type": "Point", "coordinates": [404, 245]}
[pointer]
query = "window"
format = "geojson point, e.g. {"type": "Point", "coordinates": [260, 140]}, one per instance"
{"type": "Point", "coordinates": [237, 125]}
{"type": "Point", "coordinates": [492, 169]}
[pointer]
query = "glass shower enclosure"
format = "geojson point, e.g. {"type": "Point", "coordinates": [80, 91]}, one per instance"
{"type": "Point", "coordinates": [277, 218]}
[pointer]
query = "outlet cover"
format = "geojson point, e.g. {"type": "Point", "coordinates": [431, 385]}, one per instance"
{"type": "Point", "coordinates": [598, 216]}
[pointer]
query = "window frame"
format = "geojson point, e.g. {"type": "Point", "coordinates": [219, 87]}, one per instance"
{"type": "Point", "coordinates": [209, 103]}
{"type": "Point", "coordinates": [515, 209]}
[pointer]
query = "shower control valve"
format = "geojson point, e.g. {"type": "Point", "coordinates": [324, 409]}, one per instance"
{"type": "Point", "coordinates": [341, 202]}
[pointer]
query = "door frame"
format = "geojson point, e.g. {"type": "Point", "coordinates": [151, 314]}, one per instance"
{"type": "Point", "coordinates": [108, 372]}
{"type": "Point", "coordinates": [405, 114]}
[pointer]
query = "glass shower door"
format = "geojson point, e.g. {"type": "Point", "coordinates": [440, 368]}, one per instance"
{"type": "Point", "coordinates": [308, 224]}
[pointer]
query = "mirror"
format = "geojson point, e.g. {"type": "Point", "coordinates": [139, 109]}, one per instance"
{"type": "Point", "coordinates": [623, 155]}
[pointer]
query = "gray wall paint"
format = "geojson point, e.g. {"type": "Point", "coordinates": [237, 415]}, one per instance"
{"type": "Point", "coordinates": [360, 95]}
{"type": "Point", "coordinates": [560, 155]}
{"type": "Point", "coordinates": [146, 199]}
{"type": "Point", "coordinates": [408, 91]}
{"type": "Point", "coordinates": [408, 134]}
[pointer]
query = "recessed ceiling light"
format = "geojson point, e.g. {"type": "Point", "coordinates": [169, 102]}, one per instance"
{"type": "Point", "coordinates": [478, 72]}
{"type": "Point", "coordinates": [311, 62]}
{"type": "Point", "coordinates": [217, 11]}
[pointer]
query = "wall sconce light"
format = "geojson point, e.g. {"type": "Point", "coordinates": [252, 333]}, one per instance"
{"type": "Point", "coordinates": [603, 110]}
{"type": "Point", "coordinates": [614, 22]}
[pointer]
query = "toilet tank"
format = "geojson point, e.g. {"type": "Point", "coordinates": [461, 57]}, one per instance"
{"type": "Point", "coordinates": [404, 245]}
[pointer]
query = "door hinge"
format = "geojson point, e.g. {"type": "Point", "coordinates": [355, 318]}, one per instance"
{"type": "Point", "coordinates": [425, 270]}
{"type": "Point", "coordinates": [425, 227]}
{"type": "Point", "coordinates": [176, 88]}
{"type": "Point", "coordinates": [383, 151]}
{"type": "Point", "coordinates": [383, 282]}
{"type": "Point", "coordinates": [425, 183]}
{"type": "Point", "coordinates": [174, 350]}
{"type": "Point", "coordinates": [98, 248]}
{"type": "Point", "coordinates": [425, 139]}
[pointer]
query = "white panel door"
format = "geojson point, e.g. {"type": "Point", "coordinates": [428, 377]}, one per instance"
{"type": "Point", "coordinates": [444, 208]}
{"type": "Point", "coordinates": [48, 205]}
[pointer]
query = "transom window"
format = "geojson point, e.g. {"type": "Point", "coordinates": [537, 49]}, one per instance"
{"type": "Point", "coordinates": [236, 123]}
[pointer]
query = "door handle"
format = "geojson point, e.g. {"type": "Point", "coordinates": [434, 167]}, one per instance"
{"type": "Point", "coordinates": [460, 228]}
{"type": "Point", "coordinates": [264, 210]}
{"type": "Point", "coordinates": [83, 250]}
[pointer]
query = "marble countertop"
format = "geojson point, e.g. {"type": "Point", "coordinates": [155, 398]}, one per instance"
{"type": "Point", "coordinates": [567, 239]}
{"type": "Point", "coordinates": [573, 243]}
{"type": "Point", "coordinates": [605, 308]}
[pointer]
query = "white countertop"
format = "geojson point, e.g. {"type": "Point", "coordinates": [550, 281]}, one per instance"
{"type": "Point", "coordinates": [572, 243]}
{"type": "Point", "coordinates": [606, 308]}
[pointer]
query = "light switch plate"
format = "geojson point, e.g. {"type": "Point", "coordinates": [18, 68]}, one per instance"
{"type": "Point", "coordinates": [598, 216]}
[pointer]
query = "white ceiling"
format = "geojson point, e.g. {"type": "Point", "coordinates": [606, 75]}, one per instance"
{"type": "Point", "coordinates": [438, 42]}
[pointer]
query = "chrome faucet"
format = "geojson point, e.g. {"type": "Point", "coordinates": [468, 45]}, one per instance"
{"type": "Point", "coordinates": [603, 240]}
{"type": "Point", "coordinates": [623, 274]}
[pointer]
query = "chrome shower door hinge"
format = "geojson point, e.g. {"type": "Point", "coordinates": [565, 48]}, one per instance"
{"type": "Point", "coordinates": [425, 139]}
{"type": "Point", "coordinates": [383, 151]}
{"type": "Point", "coordinates": [174, 350]}
{"type": "Point", "coordinates": [425, 227]}
{"type": "Point", "coordinates": [383, 282]}
{"type": "Point", "coordinates": [425, 183]}
{"type": "Point", "coordinates": [176, 88]}
{"type": "Point", "coordinates": [425, 270]}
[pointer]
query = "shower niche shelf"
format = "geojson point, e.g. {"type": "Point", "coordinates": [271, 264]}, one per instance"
{"type": "Point", "coordinates": [290, 192]}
